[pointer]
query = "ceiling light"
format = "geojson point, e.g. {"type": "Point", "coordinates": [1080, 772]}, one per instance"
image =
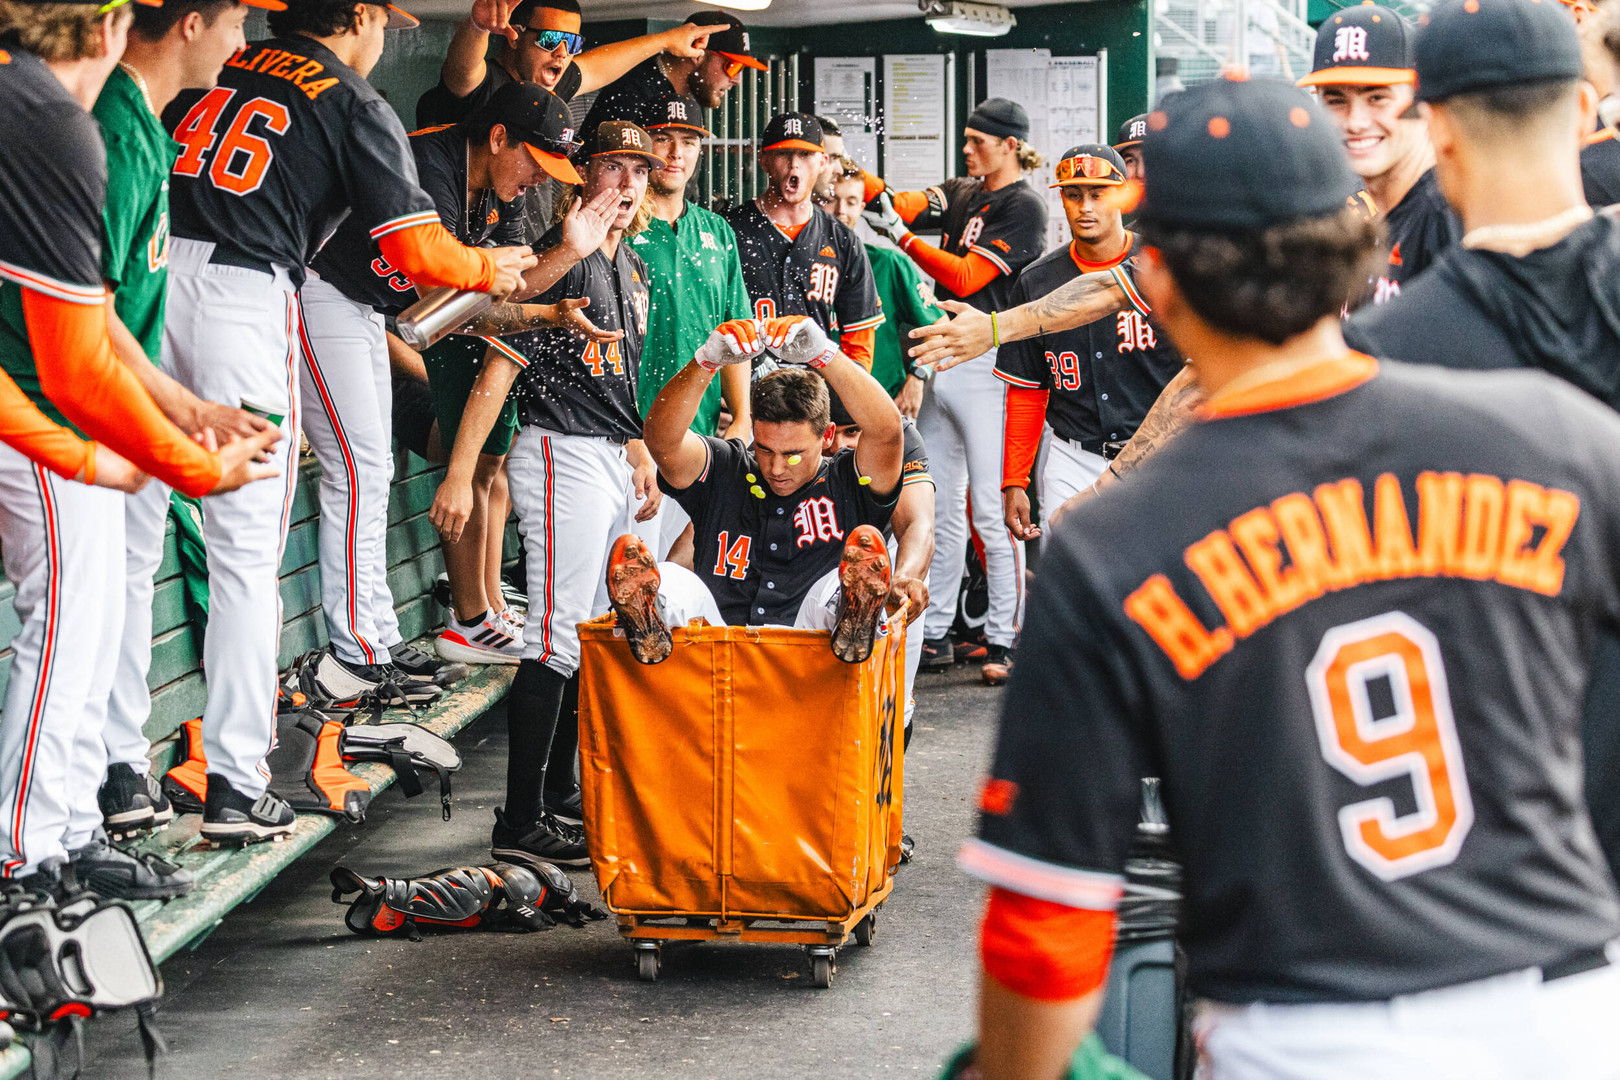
{"type": "Point", "coordinates": [741, 5]}
{"type": "Point", "coordinates": [965, 17]}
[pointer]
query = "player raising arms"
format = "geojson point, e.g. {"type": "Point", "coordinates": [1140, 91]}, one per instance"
{"type": "Point", "coordinates": [994, 225]}
{"type": "Point", "coordinates": [291, 140]}
{"type": "Point", "coordinates": [1255, 619]}
{"type": "Point", "coordinates": [1364, 76]}
{"type": "Point", "coordinates": [64, 541]}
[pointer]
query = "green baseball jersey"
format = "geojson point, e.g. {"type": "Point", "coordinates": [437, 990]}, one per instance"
{"type": "Point", "coordinates": [696, 281]}
{"type": "Point", "coordinates": [907, 303]}
{"type": "Point", "coordinates": [135, 223]}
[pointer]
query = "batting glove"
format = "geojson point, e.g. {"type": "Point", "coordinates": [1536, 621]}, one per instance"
{"type": "Point", "coordinates": [800, 341]}
{"type": "Point", "coordinates": [736, 342]}
{"type": "Point", "coordinates": [886, 219]}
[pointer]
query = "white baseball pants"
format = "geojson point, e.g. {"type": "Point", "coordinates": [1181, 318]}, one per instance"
{"type": "Point", "coordinates": [231, 334]}
{"type": "Point", "coordinates": [962, 421]}
{"type": "Point", "coordinates": [1504, 1028]}
{"type": "Point", "coordinates": [574, 496]}
{"type": "Point", "coordinates": [348, 401]}
{"type": "Point", "coordinates": [1066, 471]}
{"type": "Point", "coordinates": [63, 546]}
{"type": "Point", "coordinates": [146, 514]}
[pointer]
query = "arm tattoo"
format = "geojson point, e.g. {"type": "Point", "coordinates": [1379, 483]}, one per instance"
{"type": "Point", "coordinates": [1087, 298]}
{"type": "Point", "coordinates": [502, 319]}
{"type": "Point", "coordinates": [1175, 408]}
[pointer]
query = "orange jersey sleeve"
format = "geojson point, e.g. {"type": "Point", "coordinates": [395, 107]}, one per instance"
{"type": "Point", "coordinates": [1026, 414]}
{"type": "Point", "coordinates": [858, 345]}
{"type": "Point", "coordinates": [963, 275]}
{"type": "Point", "coordinates": [431, 257]}
{"type": "Point", "coordinates": [1045, 951]}
{"type": "Point", "coordinates": [78, 372]}
{"type": "Point", "coordinates": [36, 436]}
{"type": "Point", "coordinates": [909, 204]}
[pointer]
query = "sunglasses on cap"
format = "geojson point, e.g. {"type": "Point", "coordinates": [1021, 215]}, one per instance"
{"type": "Point", "coordinates": [1085, 167]}
{"type": "Point", "coordinates": [548, 40]}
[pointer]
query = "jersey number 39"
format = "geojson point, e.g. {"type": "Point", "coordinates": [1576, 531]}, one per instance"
{"type": "Point", "coordinates": [1417, 740]}
{"type": "Point", "coordinates": [242, 156]}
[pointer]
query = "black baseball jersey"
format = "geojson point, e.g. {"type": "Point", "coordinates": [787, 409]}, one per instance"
{"type": "Point", "coordinates": [1600, 168]}
{"type": "Point", "coordinates": [1006, 226]}
{"type": "Point", "coordinates": [914, 460]}
{"type": "Point", "coordinates": [350, 260]}
{"type": "Point", "coordinates": [1417, 229]}
{"type": "Point", "coordinates": [577, 387]}
{"type": "Point", "coordinates": [758, 552]}
{"type": "Point", "coordinates": [1103, 377]}
{"type": "Point", "coordinates": [438, 105]}
{"type": "Point", "coordinates": [1553, 309]}
{"type": "Point", "coordinates": [823, 272]}
{"type": "Point", "coordinates": [289, 142]}
{"type": "Point", "coordinates": [1348, 622]}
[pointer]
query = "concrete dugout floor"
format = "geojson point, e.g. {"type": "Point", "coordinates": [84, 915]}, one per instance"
{"type": "Point", "coordinates": [283, 991]}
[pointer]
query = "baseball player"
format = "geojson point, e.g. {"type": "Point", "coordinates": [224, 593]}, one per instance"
{"type": "Point", "coordinates": [1363, 74]}
{"type": "Point", "coordinates": [1600, 51]}
{"type": "Point", "coordinates": [788, 531]}
{"type": "Point", "coordinates": [1094, 384]}
{"type": "Point", "coordinates": [476, 173]}
{"type": "Point", "coordinates": [695, 281]}
{"type": "Point", "coordinates": [1311, 616]}
{"type": "Point", "coordinates": [291, 140]}
{"type": "Point", "coordinates": [706, 77]}
{"type": "Point", "coordinates": [63, 541]}
{"type": "Point", "coordinates": [579, 476]}
{"type": "Point", "coordinates": [178, 46]}
{"type": "Point", "coordinates": [797, 259]}
{"type": "Point", "coordinates": [903, 297]}
{"type": "Point", "coordinates": [1129, 146]}
{"type": "Point", "coordinates": [993, 224]}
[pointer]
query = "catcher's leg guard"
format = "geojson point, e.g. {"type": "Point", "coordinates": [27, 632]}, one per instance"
{"type": "Point", "coordinates": [464, 897]}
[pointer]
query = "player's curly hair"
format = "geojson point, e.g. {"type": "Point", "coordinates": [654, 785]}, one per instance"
{"type": "Point", "coordinates": [1272, 283]}
{"type": "Point", "coordinates": [567, 193]}
{"type": "Point", "coordinates": [320, 18]}
{"type": "Point", "coordinates": [792, 395]}
{"type": "Point", "coordinates": [1029, 158]}
{"type": "Point", "coordinates": [58, 32]}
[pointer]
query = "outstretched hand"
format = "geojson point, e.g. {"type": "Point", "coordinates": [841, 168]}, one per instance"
{"type": "Point", "coordinates": [965, 336]}
{"type": "Point", "coordinates": [571, 315]}
{"type": "Point", "coordinates": [586, 224]}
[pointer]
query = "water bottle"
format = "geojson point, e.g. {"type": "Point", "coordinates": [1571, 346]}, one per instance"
{"type": "Point", "coordinates": [439, 312]}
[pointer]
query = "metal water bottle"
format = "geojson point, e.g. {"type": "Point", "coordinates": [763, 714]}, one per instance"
{"type": "Point", "coordinates": [439, 312]}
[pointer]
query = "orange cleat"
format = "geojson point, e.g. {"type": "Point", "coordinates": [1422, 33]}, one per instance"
{"type": "Point", "coordinates": [864, 574]}
{"type": "Point", "coordinates": [632, 581]}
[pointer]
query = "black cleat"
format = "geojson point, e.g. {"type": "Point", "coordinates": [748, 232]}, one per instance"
{"type": "Point", "coordinates": [545, 841]}
{"type": "Point", "coordinates": [107, 871]}
{"type": "Point", "coordinates": [419, 666]}
{"type": "Point", "coordinates": [132, 802]}
{"type": "Point", "coordinates": [229, 817]}
{"type": "Point", "coordinates": [937, 655]}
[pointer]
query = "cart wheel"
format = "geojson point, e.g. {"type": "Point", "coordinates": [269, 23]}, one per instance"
{"type": "Point", "coordinates": [647, 964]}
{"type": "Point", "coordinates": [821, 971]}
{"type": "Point", "coordinates": [866, 929]}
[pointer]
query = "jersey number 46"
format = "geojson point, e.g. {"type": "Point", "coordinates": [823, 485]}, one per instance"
{"type": "Point", "coordinates": [242, 156]}
{"type": "Point", "coordinates": [1417, 740]}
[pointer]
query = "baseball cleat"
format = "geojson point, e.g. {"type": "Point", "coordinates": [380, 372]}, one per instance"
{"type": "Point", "coordinates": [937, 655]}
{"type": "Point", "coordinates": [330, 682]}
{"type": "Point", "coordinates": [489, 640]}
{"type": "Point", "coordinates": [105, 870]}
{"type": "Point", "coordinates": [233, 819]}
{"type": "Point", "coordinates": [545, 841]}
{"type": "Point", "coordinates": [132, 802]}
{"type": "Point", "coordinates": [417, 665]}
{"type": "Point", "coordinates": [863, 573]}
{"type": "Point", "coordinates": [632, 580]}
{"type": "Point", "coordinates": [997, 665]}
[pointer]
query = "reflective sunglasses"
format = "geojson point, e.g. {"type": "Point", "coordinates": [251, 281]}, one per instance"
{"type": "Point", "coordinates": [1086, 167]}
{"type": "Point", "coordinates": [548, 40]}
{"type": "Point", "coordinates": [734, 69]}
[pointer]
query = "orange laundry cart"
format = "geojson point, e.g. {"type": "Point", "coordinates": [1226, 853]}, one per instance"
{"type": "Point", "coordinates": [747, 788]}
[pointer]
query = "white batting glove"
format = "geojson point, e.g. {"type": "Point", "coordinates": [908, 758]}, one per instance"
{"type": "Point", "coordinates": [886, 219]}
{"type": "Point", "coordinates": [736, 342]}
{"type": "Point", "coordinates": [800, 341]}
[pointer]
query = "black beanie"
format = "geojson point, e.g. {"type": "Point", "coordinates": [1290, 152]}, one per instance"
{"type": "Point", "coordinates": [1000, 117]}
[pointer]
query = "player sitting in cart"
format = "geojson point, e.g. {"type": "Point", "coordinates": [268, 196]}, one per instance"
{"type": "Point", "coordinates": [786, 532]}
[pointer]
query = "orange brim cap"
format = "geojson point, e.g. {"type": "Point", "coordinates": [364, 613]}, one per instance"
{"type": "Point", "coordinates": [399, 19]}
{"type": "Point", "coordinates": [556, 165]}
{"type": "Point", "coordinates": [267, 5]}
{"type": "Point", "coordinates": [1359, 76]}
{"type": "Point", "coordinates": [746, 61]}
{"type": "Point", "coordinates": [1127, 144]}
{"type": "Point", "coordinates": [1086, 181]}
{"type": "Point", "coordinates": [794, 144]}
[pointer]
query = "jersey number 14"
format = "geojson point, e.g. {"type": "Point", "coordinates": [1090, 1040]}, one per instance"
{"type": "Point", "coordinates": [240, 159]}
{"type": "Point", "coordinates": [1418, 740]}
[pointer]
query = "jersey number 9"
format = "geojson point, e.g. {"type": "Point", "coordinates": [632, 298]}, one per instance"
{"type": "Point", "coordinates": [241, 158]}
{"type": "Point", "coordinates": [1417, 740]}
